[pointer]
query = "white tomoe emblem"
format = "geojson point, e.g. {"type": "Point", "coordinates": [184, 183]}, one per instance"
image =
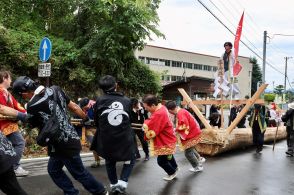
{"type": "Point", "coordinates": [116, 110]}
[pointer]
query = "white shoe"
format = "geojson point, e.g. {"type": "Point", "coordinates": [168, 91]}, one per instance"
{"type": "Point", "coordinates": [196, 169]}
{"type": "Point", "coordinates": [20, 172]}
{"type": "Point", "coordinates": [202, 159]}
{"type": "Point", "coordinates": [170, 177]}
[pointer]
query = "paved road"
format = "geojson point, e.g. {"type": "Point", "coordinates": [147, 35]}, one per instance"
{"type": "Point", "coordinates": [234, 173]}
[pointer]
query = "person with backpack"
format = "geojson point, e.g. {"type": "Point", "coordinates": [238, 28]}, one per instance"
{"type": "Point", "coordinates": [288, 118]}
{"type": "Point", "coordinates": [49, 106]}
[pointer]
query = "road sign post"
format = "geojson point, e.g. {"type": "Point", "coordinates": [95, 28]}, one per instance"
{"type": "Point", "coordinates": [45, 50]}
{"type": "Point", "coordinates": [44, 69]}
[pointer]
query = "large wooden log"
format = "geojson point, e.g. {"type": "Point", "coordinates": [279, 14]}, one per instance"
{"type": "Point", "coordinates": [194, 108]}
{"type": "Point", "coordinates": [249, 103]}
{"type": "Point", "coordinates": [218, 142]}
{"type": "Point", "coordinates": [215, 141]}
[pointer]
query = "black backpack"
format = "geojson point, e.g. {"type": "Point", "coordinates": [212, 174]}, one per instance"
{"type": "Point", "coordinates": [51, 131]}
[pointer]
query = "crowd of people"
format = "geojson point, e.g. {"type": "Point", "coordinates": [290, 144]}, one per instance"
{"type": "Point", "coordinates": [118, 120]}
{"type": "Point", "coordinates": [114, 139]}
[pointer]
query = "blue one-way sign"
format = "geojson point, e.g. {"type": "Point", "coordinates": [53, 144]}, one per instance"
{"type": "Point", "coordinates": [45, 49]}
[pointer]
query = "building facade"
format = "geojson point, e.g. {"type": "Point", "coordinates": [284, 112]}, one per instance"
{"type": "Point", "coordinates": [174, 64]}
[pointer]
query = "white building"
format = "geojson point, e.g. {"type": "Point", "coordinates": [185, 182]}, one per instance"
{"type": "Point", "coordinates": [173, 64]}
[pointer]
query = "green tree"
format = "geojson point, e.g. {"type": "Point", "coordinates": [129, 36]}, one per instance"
{"type": "Point", "coordinates": [256, 75]}
{"type": "Point", "coordinates": [279, 89]}
{"type": "Point", "coordinates": [290, 96]}
{"type": "Point", "coordinates": [89, 39]}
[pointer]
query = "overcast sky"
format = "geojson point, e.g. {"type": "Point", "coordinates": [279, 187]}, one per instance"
{"type": "Point", "coordinates": [188, 26]}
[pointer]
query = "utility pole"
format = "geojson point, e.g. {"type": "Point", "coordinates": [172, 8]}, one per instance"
{"type": "Point", "coordinates": [285, 84]}
{"type": "Point", "coordinates": [264, 56]}
{"type": "Point", "coordinates": [286, 60]}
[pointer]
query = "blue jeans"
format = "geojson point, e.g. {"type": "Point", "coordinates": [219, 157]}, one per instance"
{"type": "Point", "coordinates": [18, 144]}
{"type": "Point", "coordinates": [125, 172]}
{"type": "Point", "coordinates": [76, 168]}
{"type": "Point", "coordinates": [169, 165]}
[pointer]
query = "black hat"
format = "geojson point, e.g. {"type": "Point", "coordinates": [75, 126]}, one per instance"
{"type": "Point", "coordinates": [24, 84]}
{"type": "Point", "coordinates": [228, 43]}
{"type": "Point", "coordinates": [84, 102]}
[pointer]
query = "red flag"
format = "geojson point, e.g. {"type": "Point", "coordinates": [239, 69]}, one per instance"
{"type": "Point", "coordinates": [237, 66]}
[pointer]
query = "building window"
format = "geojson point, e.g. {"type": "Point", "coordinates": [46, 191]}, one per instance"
{"type": "Point", "coordinates": [173, 78]}
{"type": "Point", "coordinates": [164, 62]}
{"type": "Point", "coordinates": [198, 66]}
{"type": "Point", "coordinates": [153, 61]}
{"type": "Point", "coordinates": [179, 78]}
{"type": "Point", "coordinates": [177, 64]}
{"type": "Point", "coordinates": [207, 68]}
{"type": "Point", "coordinates": [142, 59]}
{"type": "Point", "coordinates": [165, 77]}
{"type": "Point", "coordinates": [188, 65]}
{"type": "Point", "coordinates": [214, 69]}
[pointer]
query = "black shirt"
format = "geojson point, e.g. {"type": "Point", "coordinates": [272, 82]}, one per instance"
{"type": "Point", "coordinates": [41, 106]}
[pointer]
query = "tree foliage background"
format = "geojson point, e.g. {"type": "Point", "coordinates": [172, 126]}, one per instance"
{"type": "Point", "coordinates": [256, 75]}
{"type": "Point", "coordinates": [90, 38]}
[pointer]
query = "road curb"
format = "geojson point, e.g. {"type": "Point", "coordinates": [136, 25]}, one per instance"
{"type": "Point", "coordinates": [28, 160]}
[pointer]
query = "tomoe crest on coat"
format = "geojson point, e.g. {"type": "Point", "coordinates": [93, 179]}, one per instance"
{"type": "Point", "coordinates": [115, 113]}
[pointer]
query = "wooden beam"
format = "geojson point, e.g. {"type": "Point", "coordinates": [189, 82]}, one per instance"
{"type": "Point", "coordinates": [249, 103]}
{"type": "Point", "coordinates": [194, 108]}
{"type": "Point", "coordinates": [217, 102]}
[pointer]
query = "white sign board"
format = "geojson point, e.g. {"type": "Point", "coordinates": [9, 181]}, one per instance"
{"type": "Point", "coordinates": [44, 70]}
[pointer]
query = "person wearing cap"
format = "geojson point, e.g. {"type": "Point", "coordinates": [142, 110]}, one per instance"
{"type": "Point", "coordinates": [228, 58]}
{"type": "Point", "coordinates": [87, 106]}
{"type": "Point", "coordinates": [65, 150]}
{"type": "Point", "coordinates": [288, 118]}
{"type": "Point", "coordinates": [114, 137]}
{"type": "Point", "coordinates": [8, 127]}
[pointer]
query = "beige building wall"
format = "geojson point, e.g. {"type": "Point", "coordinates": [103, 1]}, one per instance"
{"type": "Point", "coordinates": [195, 64]}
